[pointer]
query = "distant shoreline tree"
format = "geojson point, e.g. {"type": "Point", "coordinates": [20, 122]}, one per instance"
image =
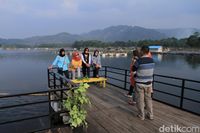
{"type": "Point", "coordinates": [194, 40]}
{"type": "Point", "coordinates": [191, 42]}
{"type": "Point", "coordinates": [169, 42]}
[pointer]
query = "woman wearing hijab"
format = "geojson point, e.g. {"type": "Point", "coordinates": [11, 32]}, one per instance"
{"type": "Point", "coordinates": [96, 63]}
{"type": "Point", "coordinates": [86, 62]}
{"type": "Point", "coordinates": [62, 62]}
{"type": "Point", "coordinates": [76, 64]}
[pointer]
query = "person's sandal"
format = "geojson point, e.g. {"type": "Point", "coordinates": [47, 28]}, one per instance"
{"type": "Point", "coordinates": [141, 118]}
{"type": "Point", "coordinates": [132, 102]}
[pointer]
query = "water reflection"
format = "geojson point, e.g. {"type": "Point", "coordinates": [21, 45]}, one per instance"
{"type": "Point", "coordinates": [193, 61]}
{"type": "Point", "coordinates": [27, 69]}
{"type": "Point", "coordinates": [157, 57]}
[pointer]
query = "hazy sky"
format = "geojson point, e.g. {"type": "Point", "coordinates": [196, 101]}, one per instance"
{"type": "Point", "coordinates": [25, 18]}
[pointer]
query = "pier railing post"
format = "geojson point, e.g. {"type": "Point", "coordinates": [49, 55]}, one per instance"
{"type": "Point", "coordinates": [182, 93]}
{"type": "Point", "coordinates": [48, 77]}
{"type": "Point", "coordinates": [125, 79]}
{"type": "Point", "coordinates": [153, 84]}
{"type": "Point", "coordinates": [61, 94]}
{"type": "Point", "coordinates": [54, 80]}
{"type": "Point", "coordinates": [50, 110]}
{"type": "Point", "coordinates": [105, 71]}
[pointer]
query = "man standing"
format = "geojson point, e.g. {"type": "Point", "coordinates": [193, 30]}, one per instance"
{"type": "Point", "coordinates": [144, 68]}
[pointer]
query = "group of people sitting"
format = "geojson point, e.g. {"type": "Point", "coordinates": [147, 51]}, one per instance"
{"type": "Point", "coordinates": [79, 61]}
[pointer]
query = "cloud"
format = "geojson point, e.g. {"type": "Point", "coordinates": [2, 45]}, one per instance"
{"type": "Point", "coordinates": [12, 6]}
{"type": "Point", "coordinates": [70, 5]}
{"type": "Point", "coordinates": [40, 8]}
{"type": "Point", "coordinates": [32, 17]}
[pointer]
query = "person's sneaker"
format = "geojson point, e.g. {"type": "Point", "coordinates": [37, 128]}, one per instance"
{"type": "Point", "coordinates": [150, 117]}
{"type": "Point", "coordinates": [129, 96]}
{"type": "Point", "coordinates": [141, 118]}
{"type": "Point", "coordinates": [134, 102]}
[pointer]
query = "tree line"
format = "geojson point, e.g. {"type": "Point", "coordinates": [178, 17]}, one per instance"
{"type": "Point", "coordinates": [191, 42]}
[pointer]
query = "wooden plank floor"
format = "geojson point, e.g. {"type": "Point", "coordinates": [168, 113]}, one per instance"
{"type": "Point", "coordinates": [110, 113]}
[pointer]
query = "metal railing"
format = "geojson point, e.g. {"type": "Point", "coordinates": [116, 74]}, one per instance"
{"type": "Point", "coordinates": [56, 89]}
{"type": "Point", "coordinates": [121, 75]}
{"type": "Point", "coordinates": [58, 85]}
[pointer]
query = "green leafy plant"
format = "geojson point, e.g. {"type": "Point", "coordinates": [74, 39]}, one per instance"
{"type": "Point", "coordinates": [87, 78]}
{"type": "Point", "coordinates": [76, 103]}
{"type": "Point", "coordinates": [83, 78]}
{"type": "Point", "coordinates": [79, 78]}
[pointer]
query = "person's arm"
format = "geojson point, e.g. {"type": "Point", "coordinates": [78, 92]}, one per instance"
{"type": "Point", "coordinates": [90, 60]}
{"type": "Point", "coordinates": [71, 65]}
{"type": "Point", "coordinates": [93, 60]}
{"type": "Point", "coordinates": [135, 66]}
{"type": "Point", "coordinates": [54, 63]}
{"type": "Point", "coordinates": [67, 60]}
{"type": "Point", "coordinates": [132, 61]}
{"type": "Point", "coordinates": [99, 60]}
{"type": "Point", "coordinates": [83, 59]}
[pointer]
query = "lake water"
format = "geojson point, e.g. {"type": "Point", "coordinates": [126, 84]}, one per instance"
{"type": "Point", "coordinates": [26, 71]}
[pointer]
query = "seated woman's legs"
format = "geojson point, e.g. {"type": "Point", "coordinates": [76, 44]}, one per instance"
{"type": "Point", "coordinates": [88, 72]}
{"type": "Point", "coordinates": [73, 74]}
{"type": "Point", "coordinates": [78, 72]}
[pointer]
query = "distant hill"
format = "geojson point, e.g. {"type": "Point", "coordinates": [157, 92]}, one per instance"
{"type": "Point", "coordinates": [124, 33]}
{"type": "Point", "coordinates": [112, 33]}
{"type": "Point", "coordinates": [50, 39]}
{"type": "Point", "coordinates": [178, 32]}
{"type": "Point", "coordinates": [58, 38]}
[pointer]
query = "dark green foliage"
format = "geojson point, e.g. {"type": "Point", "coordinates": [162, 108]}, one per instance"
{"type": "Point", "coordinates": [194, 40]}
{"type": "Point", "coordinates": [191, 42]}
{"type": "Point", "coordinates": [53, 45]}
{"type": "Point", "coordinates": [169, 42]}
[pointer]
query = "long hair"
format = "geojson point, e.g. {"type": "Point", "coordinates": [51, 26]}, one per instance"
{"type": "Point", "coordinates": [60, 52]}
{"type": "Point", "coordinates": [85, 50]}
{"type": "Point", "coordinates": [136, 53]}
{"type": "Point", "coordinates": [95, 52]}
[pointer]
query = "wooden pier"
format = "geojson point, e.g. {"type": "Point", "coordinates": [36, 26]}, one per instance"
{"type": "Point", "coordinates": [110, 113]}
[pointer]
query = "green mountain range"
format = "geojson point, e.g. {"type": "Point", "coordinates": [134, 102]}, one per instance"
{"type": "Point", "coordinates": [109, 34]}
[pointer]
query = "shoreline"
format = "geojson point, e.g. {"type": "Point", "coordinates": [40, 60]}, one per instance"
{"type": "Point", "coordinates": [178, 53]}
{"type": "Point", "coordinates": [105, 51]}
